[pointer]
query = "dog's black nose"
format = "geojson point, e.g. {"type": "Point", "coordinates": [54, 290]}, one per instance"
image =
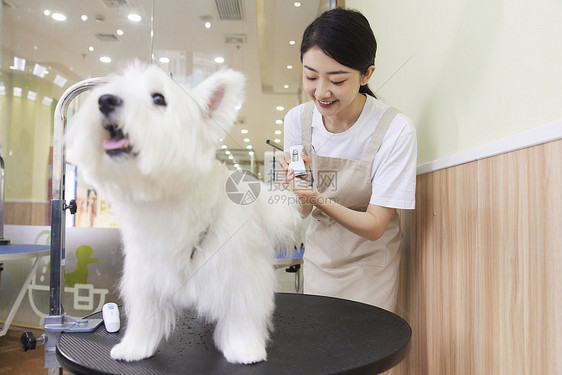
{"type": "Point", "coordinates": [108, 103]}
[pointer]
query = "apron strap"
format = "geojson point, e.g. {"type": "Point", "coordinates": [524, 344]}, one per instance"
{"type": "Point", "coordinates": [306, 124]}
{"type": "Point", "coordinates": [377, 137]}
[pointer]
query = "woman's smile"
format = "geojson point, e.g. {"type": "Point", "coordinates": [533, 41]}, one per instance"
{"type": "Point", "coordinates": [326, 104]}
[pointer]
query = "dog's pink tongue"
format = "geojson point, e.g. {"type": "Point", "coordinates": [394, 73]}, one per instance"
{"type": "Point", "coordinates": [115, 144]}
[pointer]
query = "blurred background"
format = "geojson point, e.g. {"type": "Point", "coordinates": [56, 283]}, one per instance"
{"type": "Point", "coordinates": [48, 46]}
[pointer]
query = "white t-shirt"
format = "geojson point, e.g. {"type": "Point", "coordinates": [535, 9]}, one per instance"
{"type": "Point", "coordinates": [393, 173]}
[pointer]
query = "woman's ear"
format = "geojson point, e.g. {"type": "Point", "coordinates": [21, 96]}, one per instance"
{"type": "Point", "coordinates": [367, 76]}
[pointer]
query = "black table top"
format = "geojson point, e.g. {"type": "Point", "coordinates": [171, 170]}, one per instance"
{"type": "Point", "coordinates": [313, 335]}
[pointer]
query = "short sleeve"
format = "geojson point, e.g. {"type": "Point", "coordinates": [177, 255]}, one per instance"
{"type": "Point", "coordinates": [393, 173]}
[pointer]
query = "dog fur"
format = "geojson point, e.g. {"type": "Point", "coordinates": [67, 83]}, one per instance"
{"type": "Point", "coordinates": [148, 146]}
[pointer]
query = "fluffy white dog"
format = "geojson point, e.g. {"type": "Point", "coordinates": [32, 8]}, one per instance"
{"type": "Point", "coordinates": [148, 146]}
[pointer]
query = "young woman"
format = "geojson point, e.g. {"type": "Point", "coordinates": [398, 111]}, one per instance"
{"type": "Point", "coordinates": [361, 154]}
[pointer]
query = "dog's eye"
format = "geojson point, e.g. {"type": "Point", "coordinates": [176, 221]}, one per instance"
{"type": "Point", "coordinates": [158, 99]}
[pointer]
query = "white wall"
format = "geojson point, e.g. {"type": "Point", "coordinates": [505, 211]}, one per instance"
{"type": "Point", "coordinates": [468, 72]}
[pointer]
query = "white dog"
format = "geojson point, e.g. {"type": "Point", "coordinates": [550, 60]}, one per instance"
{"type": "Point", "coordinates": [148, 146]}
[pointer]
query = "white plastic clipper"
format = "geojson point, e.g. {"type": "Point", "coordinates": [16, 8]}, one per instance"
{"type": "Point", "coordinates": [111, 320]}
{"type": "Point", "coordinates": [297, 164]}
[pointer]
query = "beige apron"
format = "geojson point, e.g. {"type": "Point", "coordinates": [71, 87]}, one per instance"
{"type": "Point", "coordinates": [337, 262]}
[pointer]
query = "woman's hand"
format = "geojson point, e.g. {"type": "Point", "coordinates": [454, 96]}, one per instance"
{"type": "Point", "coordinates": [290, 176]}
{"type": "Point", "coordinates": [302, 186]}
{"type": "Point", "coordinates": [369, 224]}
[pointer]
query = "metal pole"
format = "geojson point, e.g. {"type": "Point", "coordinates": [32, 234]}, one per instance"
{"type": "Point", "coordinates": [2, 240]}
{"type": "Point", "coordinates": [57, 202]}
{"type": "Point", "coordinates": [56, 322]}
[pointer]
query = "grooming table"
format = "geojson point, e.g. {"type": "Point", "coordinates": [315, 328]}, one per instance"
{"type": "Point", "coordinates": [313, 335]}
{"type": "Point", "coordinates": [18, 251]}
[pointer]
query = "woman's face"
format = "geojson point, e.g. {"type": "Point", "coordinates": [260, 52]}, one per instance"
{"type": "Point", "coordinates": [333, 87]}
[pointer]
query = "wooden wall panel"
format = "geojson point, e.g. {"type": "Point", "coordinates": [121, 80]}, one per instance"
{"type": "Point", "coordinates": [439, 282]}
{"type": "Point", "coordinates": [27, 213]}
{"type": "Point", "coordinates": [481, 271]}
{"type": "Point", "coordinates": [520, 260]}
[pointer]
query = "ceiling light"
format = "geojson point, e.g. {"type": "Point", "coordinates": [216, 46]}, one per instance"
{"type": "Point", "coordinates": [207, 25]}
{"type": "Point", "coordinates": [119, 32]}
{"type": "Point", "coordinates": [236, 165]}
{"type": "Point", "coordinates": [31, 95]}
{"type": "Point", "coordinates": [91, 48]}
{"type": "Point", "coordinates": [17, 91]}
{"type": "Point", "coordinates": [279, 122]}
{"type": "Point", "coordinates": [280, 108]}
{"type": "Point", "coordinates": [60, 80]}
{"type": "Point", "coordinates": [219, 60]}
{"type": "Point", "coordinates": [134, 17]}
{"type": "Point", "coordinates": [251, 153]}
{"type": "Point", "coordinates": [105, 59]}
{"type": "Point", "coordinates": [227, 152]}
{"type": "Point", "coordinates": [246, 140]}
{"type": "Point", "coordinates": [224, 146]}
{"type": "Point", "coordinates": [230, 157]}
{"type": "Point", "coordinates": [19, 63]}
{"type": "Point", "coordinates": [292, 42]}
{"type": "Point", "coordinates": [164, 60]}
{"type": "Point", "coordinates": [289, 67]}
{"type": "Point", "coordinates": [244, 131]}
{"type": "Point", "coordinates": [84, 17]}
{"type": "Point", "coordinates": [39, 71]}
{"type": "Point", "coordinates": [58, 17]}
{"type": "Point", "coordinates": [47, 12]}
{"type": "Point", "coordinates": [278, 132]}
{"type": "Point", "coordinates": [285, 86]}
{"type": "Point", "coordinates": [249, 147]}
{"type": "Point", "coordinates": [277, 140]}
{"type": "Point", "coordinates": [297, 4]}
{"type": "Point", "coordinates": [47, 101]}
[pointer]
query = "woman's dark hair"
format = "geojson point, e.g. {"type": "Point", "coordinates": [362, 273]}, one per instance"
{"type": "Point", "coordinates": [346, 36]}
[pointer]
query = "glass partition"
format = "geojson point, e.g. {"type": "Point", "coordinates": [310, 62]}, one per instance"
{"type": "Point", "coordinates": [45, 47]}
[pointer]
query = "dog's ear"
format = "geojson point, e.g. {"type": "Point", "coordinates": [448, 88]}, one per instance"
{"type": "Point", "coordinates": [215, 100]}
{"type": "Point", "coordinates": [221, 95]}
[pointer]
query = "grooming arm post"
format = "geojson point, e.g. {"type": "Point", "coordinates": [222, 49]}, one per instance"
{"type": "Point", "coordinates": [57, 321]}
{"type": "Point", "coordinates": [3, 241]}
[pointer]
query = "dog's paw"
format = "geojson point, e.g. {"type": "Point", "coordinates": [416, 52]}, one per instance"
{"type": "Point", "coordinates": [244, 354]}
{"type": "Point", "coordinates": [129, 353]}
